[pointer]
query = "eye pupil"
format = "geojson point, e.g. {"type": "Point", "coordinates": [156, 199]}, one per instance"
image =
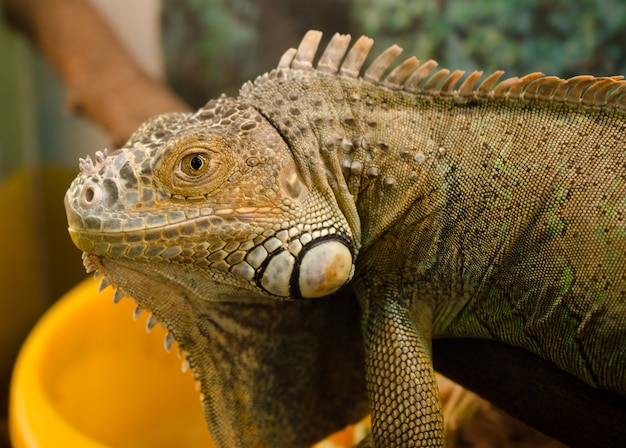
{"type": "Point", "coordinates": [196, 163]}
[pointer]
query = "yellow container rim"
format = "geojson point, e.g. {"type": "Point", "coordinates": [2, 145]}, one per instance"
{"type": "Point", "coordinates": [33, 418]}
{"type": "Point", "coordinates": [89, 376]}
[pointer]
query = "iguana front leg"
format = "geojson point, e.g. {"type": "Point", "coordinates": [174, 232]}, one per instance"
{"type": "Point", "coordinates": [401, 384]}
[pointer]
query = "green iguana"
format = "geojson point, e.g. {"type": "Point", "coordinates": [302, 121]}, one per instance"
{"type": "Point", "coordinates": [451, 208]}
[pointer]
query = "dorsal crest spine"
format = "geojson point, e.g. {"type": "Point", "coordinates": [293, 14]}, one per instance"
{"type": "Point", "coordinates": [339, 59]}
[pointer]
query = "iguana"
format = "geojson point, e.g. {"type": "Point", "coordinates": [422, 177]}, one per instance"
{"type": "Point", "coordinates": [450, 208]}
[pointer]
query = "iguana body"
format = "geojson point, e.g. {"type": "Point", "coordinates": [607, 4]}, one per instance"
{"type": "Point", "coordinates": [492, 210]}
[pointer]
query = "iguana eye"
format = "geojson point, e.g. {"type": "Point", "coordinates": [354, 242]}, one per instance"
{"type": "Point", "coordinates": [194, 164]}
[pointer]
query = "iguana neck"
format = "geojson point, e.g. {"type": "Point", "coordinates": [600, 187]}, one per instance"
{"type": "Point", "coordinates": [451, 175]}
{"type": "Point", "coordinates": [375, 150]}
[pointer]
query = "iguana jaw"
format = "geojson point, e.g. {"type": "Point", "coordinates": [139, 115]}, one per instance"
{"type": "Point", "coordinates": [235, 246]}
{"type": "Point", "coordinates": [304, 266]}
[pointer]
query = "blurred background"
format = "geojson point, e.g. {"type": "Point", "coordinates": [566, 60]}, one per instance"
{"type": "Point", "coordinates": [201, 48]}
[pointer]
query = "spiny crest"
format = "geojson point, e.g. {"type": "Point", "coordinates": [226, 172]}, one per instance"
{"type": "Point", "coordinates": [88, 167]}
{"type": "Point", "coordinates": [422, 79]}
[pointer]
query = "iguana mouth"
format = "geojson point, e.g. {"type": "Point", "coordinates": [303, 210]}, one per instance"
{"type": "Point", "coordinates": [297, 261]}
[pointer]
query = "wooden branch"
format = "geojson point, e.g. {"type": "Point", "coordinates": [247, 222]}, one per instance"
{"type": "Point", "coordinates": [104, 82]}
{"type": "Point", "coordinates": [535, 391]}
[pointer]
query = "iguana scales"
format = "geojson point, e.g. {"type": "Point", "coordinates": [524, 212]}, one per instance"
{"type": "Point", "coordinates": [451, 207]}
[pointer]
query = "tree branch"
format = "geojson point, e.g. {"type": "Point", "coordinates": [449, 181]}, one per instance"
{"type": "Point", "coordinates": [535, 391]}
{"type": "Point", "coordinates": [104, 82]}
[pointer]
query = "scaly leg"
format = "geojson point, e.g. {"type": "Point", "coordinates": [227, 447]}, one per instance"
{"type": "Point", "coordinates": [401, 384]}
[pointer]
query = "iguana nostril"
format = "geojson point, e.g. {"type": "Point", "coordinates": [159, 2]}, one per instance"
{"type": "Point", "coordinates": [90, 195]}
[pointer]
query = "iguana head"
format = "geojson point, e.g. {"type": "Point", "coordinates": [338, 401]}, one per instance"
{"type": "Point", "coordinates": [219, 193]}
{"type": "Point", "coordinates": [205, 219]}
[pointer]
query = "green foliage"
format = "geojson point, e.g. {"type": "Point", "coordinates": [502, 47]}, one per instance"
{"type": "Point", "coordinates": [213, 46]}
{"type": "Point", "coordinates": [561, 37]}
{"type": "Point", "coordinates": [210, 42]}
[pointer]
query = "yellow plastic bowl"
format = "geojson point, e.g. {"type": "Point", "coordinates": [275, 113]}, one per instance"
{"type": "Point", "coordinates": [89, 376]}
